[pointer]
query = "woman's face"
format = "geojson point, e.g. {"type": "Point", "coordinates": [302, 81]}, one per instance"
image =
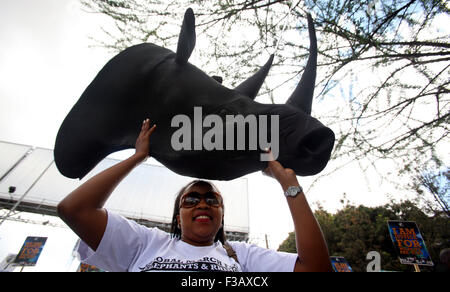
{"type": "Point", "coordinates": [199, 224]}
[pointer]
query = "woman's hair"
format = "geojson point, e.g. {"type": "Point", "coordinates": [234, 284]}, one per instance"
{"type": "Point", "coordinates": [175, 230]}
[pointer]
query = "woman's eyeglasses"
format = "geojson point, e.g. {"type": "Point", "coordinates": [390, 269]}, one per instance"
{"type": "Point", "coordinates": [192, 199]}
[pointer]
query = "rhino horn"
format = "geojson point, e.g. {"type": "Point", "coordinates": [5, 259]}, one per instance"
{"type": "Point", "coordinates": [186, 40]}
{"type": "Point", "coordinates": [303, 95]}
{"type": "Point", "coordinates": [251, 86]}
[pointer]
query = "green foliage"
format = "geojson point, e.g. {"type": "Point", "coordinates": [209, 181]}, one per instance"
{"type": "Point", "coordinates": [288, 245]}
{"type": "Point", "coordinates": [354, 231]}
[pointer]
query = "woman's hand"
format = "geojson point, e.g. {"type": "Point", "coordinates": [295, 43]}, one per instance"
{"type": "Point", "coordinates": [285, 176]}
{"type": "Point", "coordinates": [143, 141]}
{"type": "Point", "coordinates": [82, 209]}
{"type": "Point", "coordinates": [312, 249]}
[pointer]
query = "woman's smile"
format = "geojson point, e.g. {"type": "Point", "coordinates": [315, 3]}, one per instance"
{"type": "Point", "coordinates": [203, 218]}
{"type": "Point", "coordinates": [200, 221]}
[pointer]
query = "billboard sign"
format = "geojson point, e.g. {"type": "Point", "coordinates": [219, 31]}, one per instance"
{"type": "Point", "coordinates": [45, 186]}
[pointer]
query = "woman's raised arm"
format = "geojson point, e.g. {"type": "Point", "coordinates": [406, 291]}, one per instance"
{"type": "Point", "coordinates": [82, 210]}
{"type": "Point", "coordinates": [311, 246]}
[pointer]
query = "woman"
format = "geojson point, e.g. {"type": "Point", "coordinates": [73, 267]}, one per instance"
{"type": "Point", "coordinates": [197, 243]}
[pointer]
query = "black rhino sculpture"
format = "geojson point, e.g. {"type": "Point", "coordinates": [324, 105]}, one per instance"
{"type": "Point", "coordinates": [147, 80]}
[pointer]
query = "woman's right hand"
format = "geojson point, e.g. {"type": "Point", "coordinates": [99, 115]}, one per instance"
{"type": "Point", "coordinates": [82, 209]}
{"type": "Point", "coordinates": [143, 141]}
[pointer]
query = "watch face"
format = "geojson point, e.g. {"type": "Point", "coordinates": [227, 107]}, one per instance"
{"type": "Point", "coordinates": [293, 192]}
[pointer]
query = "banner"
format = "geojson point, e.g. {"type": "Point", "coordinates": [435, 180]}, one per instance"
{"type": "Point", "coordinates": [30, 251]}
{"type": "Point", "coordinates": [340, 265]}
{"type": "Point", "coordinates": [409, 243]}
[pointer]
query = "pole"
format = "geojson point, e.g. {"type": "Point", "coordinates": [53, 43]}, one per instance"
{"type": "Point", "coordinates": [416, 268]}
{"type": "Point", "coordinates": [17, 163]}
{"type": "Point", "coordinates": [24, 194]}
{"type": "Point", "coordinates": [267, 241]}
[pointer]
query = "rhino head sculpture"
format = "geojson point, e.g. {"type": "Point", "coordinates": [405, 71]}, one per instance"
{"type": "Point", "coordinates": [149, 81]}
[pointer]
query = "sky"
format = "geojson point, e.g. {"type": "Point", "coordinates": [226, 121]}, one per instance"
{"type": "Point", "coordinates": [46, 62]}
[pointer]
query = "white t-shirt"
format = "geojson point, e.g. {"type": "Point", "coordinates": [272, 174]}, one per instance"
{"type": "Point", "coordinates": [128, 246]}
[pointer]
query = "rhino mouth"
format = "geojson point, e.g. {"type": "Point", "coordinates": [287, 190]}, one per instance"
{"type": "Point", "coordinates": [319, 142]}
{"type": "Point", "coordinates": [312, 152]}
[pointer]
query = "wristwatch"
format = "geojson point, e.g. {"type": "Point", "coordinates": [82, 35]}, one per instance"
{"type": "Point", "coordinates": [293, 191]}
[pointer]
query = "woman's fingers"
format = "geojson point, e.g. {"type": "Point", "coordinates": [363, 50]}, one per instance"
{"type": "Point", "coordinates": [143, 140]}
{"type": "Point", "coordinates": [152, 129]}
{"type": "Point", "coordinates": [145, 124]}
{"type": "Point", "coordinates": [146, 129]}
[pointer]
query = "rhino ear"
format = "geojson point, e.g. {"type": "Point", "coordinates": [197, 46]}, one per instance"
{"type": "Point", "coordinates": [251, 86]}
{"type": "Point", "coordinates": [186, 40]}
{"type": "Point", "coordinates": [217, 78]}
